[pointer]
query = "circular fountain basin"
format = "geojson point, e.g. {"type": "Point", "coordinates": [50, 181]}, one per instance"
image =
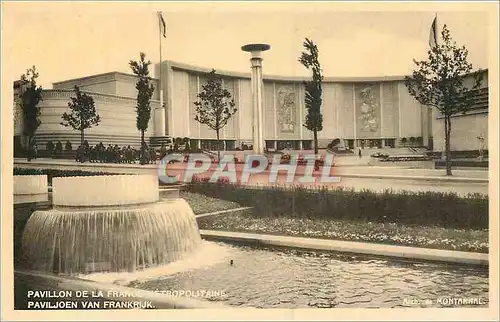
{"type": "Point", "coordinates": [108, 223]}
{"type": "Point", "coordinates": [105, 190]}
{"type": "Point", "coordinates": [22, 199]}
{"type": "Point", "coordinates": [30, 184]}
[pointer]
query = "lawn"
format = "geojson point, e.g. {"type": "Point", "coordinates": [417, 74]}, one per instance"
{"type": "Point", "coordinates": [473, 240]}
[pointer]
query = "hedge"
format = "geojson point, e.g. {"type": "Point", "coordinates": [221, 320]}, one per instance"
{"type": "Point", "coordinates": [51, 173]}
{"type": "Point", "coordinates": [462, 163]}
{"type": "Point", "coordinates": [468, 154]}
{"type": "Point", "coordinates": [410, 208]}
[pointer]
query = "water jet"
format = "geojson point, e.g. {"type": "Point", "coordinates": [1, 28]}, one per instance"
{"type": "Point", "coordinates": [108, 223]}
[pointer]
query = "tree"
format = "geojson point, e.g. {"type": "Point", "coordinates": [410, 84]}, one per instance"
{"type": "Point", "coordinates": [313, 100]}
{"type": "Point", "coordinates": [29, 97]}
{"type": "Point", "coordinates": [439, 82]}
{"type": "Point", "coordinates": [215, 106]}
{"type": "Point", "coordinates": [145, 91]}
{"type": "Point", "coordinates": [83, 113]}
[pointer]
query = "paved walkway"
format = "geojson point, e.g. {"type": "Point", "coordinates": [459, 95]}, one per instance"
{"type": "Point", "coordinates": [343, 170]}
{"type": "Point", "coordinates": [355, 177]}
{"type": "Point", "coordinates": [413, 253]}
{"type": "Point", "coordinates": [413, 173]}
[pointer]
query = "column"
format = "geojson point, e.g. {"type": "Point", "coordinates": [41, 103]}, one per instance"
{"type": "Point", "coordinates": [258, 143]}
{"type": "Point", "coordinates": [257, 84]}
{"type": "Point", "coordinates": [159, 118]}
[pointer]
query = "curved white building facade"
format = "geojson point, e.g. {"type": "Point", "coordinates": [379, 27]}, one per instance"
{"type": "Point", "coordinates": [358, 111]}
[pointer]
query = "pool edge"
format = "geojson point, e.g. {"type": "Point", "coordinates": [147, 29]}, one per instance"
{"type": "Point", "coordinates": [370, 249]}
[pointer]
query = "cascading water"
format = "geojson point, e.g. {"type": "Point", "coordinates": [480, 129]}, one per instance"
{"type": "Point", "coordinates": [120, 225]}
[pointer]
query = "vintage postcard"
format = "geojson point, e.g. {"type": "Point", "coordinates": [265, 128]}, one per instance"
{"type": "Point", "coordinates": [249, 160]}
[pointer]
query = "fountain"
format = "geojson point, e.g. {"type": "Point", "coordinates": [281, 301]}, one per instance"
{"type": "Point", "coordinates": [108, 223]}
{"type": "Point", "coordinates": [30, 184]}
{"type": "Point", "coordinates": [30, 188]}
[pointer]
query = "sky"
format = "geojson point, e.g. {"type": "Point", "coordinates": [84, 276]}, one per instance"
{"type": "Point", "coordinates": [69, 40]}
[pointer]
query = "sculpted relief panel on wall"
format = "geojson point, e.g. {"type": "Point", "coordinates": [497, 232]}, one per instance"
{"type": "Point", "coordinates": [286, 109]}
{"type": "Point", "coordinates": [368, 109]}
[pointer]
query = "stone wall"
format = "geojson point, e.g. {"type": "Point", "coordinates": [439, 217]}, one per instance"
{"type": "Point", "coordinates": [113, 83]}
{"type": "Point", "coordinates": [465, 128]}
{"type": "Point", "coordinates": [464, 132]}
{"type": "Point", "coordinates": [117, 126]}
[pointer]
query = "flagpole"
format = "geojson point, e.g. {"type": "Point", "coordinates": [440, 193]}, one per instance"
{"type": "Point", "coordinates": [161, 116]}
{"type": "Point", "coordinates": [159, 36]}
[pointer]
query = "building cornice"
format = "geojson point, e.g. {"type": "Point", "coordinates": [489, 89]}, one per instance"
{"type": "Point", "coordinates": [66, 93]}
{"type": "Point", "coordinates": [270, 78]}
{"type": "Point", "coordinates": [110, 76]}
{"type": "Point", "coordinates": [115, 75]}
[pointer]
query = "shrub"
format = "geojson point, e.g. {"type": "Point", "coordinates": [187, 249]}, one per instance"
{"type": "Point", "coordinates": [68, 146]}
{"type": "Point", "coordinates": [333, 144]}
{"type": "Point", "coordinates": [408, 208]}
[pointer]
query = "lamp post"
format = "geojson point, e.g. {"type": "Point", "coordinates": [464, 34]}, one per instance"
{"type": "Point", "coordinates": [257, 84]}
